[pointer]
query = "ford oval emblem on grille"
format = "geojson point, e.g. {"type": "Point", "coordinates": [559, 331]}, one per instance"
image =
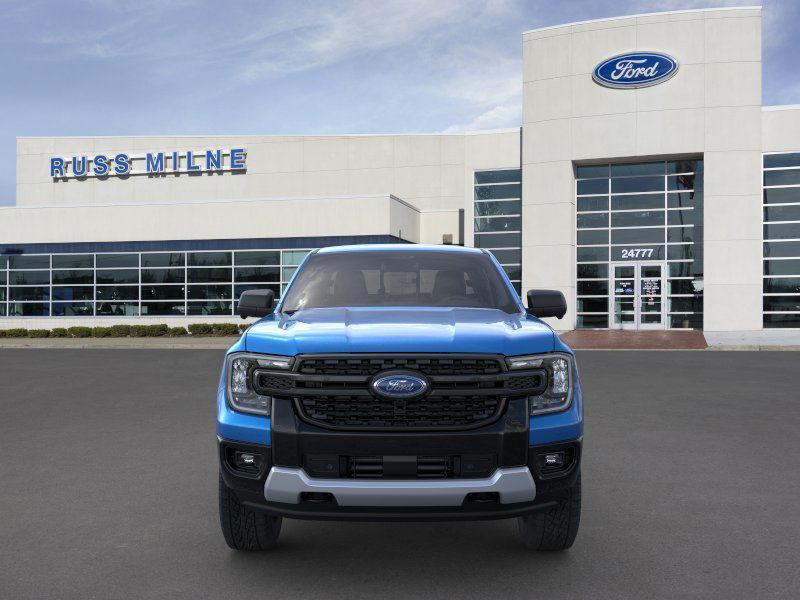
{"type": "Point", "coordinates": [399, 385]}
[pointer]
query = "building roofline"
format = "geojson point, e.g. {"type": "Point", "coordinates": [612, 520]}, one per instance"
{"type": "Point", "coordinates": [651, 14]}
{"type": "Point", "coordinates": [781, 107]}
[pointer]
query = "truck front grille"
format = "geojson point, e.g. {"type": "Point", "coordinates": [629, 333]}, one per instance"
{"type": "Point", "coordinates": [466, 391]}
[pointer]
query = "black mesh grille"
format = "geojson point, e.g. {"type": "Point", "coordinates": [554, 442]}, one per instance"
{"type": "Point", "coordinates": [373, 365]}
{"type": "Point", "coordinates": [273, 381]}
{"type": "Point", "coordinates": [367, 412]}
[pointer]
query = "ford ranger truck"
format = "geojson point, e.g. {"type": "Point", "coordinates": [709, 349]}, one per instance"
{"type": "Point", "coordinates": [400, 382]}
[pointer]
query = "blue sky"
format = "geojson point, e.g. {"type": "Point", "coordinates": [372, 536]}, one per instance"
{"type": "Point", "coordinates": [151, 67]}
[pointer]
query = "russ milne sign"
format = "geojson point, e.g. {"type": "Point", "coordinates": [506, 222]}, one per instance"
{"type": "Point", "coordinates": [635, 70]}
{"type": "Point", "coordinates": [151, 163]}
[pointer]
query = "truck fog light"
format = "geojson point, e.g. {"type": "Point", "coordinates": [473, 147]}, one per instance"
{"type": "Point", "coordinates": [247, 461]}
{"type": "Point", "coordinates": [554, 459]}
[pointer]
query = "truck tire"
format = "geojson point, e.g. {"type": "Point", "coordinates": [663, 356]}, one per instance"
{"type": "Point", "coordinates": [556, 528]}
{"type": "Point", "coordinates": [243, 527]}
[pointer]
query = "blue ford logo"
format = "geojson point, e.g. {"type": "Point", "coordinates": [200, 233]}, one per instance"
{"type": "Point", "coordinates": [635, 70]}
{"type": "Point", "coordinates": [399, 385]}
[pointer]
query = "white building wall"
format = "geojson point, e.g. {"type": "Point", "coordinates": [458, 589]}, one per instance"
{"type": "Point", "coordinates": [711, 107]}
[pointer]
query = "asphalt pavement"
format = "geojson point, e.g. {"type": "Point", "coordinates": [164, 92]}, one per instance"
{"type": "Point", "coordinates": [108, 477]}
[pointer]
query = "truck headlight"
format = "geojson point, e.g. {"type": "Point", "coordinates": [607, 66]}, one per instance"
{"type": "Point", "coordinates": [560, 380]}
{"type": "Point", "coordinates": [239, 373]}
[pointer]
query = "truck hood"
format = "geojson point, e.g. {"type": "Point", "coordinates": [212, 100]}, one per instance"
{"type": "Point", "coordinates": [333, 330]}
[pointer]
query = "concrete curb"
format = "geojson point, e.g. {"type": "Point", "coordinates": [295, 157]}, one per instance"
{"type": "Point", "coordinates": [167, 343]}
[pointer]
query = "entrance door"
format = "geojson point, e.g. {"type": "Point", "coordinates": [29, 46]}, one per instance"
{"type": "Point", "coordinates": [637, 290]}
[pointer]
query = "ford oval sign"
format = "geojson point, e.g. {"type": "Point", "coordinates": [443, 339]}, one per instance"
{"type": "Point", "coordinates": [635, 70]}
{"type": "Point", "coordinates": [399, 385]}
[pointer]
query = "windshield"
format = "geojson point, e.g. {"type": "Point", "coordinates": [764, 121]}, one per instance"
{"type": "Point", "coordinates": [398, 278]}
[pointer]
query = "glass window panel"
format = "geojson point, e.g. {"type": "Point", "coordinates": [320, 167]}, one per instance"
{"type": "Point", "coordinates": [782, 213]}
{"type": "Point", "coordinates": [498, 224]}
{"type": "Point", "coordinates": [782, 285]}
{"type": "Point", "coordinates": [498, 176]}
{"type": "Point", "coordinates": [517, 287]}
{"type": "Point", "coordinates": [637, 219]}
{"type": "Point", "coordinates": [496, 192]}
{"type": "Point", "coordinates": [680, 234]}
{"type": "Point", "coordinates": [117, 292]}
{"type": "Point", "coordinates": [117, 309]}
{"type": "Point", "coordinates": [684, 166]}
{"type": "Point", "coordinates": [637, 236]}
{"type": "Point", "coordinates": [29, 277]}
{"type": "Point", "coordinates": [259, 257]}
{"type": "Point", "coordinates": [507, 256]}
{"type": "Point", "coordinates": [111, 261]}
{"type": "Point", "coordinates": [288, 272]}
{"type": "Point", "coordinates": [500, 207]}
{"type": "Point", "coordinates": [162, 309]}
{"type": "Point", "coordinates": [593, 288]}
{"type": "Point", "coordinates": [209, 308]}
{"type": "Point", "coordinates": [638, 252]}
{"type": "Point", "coordinates": [782, 231]}
{"type": "Point", "coordinates": [685, 304]}
{"type": "Point", "coordinates": [23, 261]}
{"type": "Point", "coordinates": [680, 269]}
{"type": "Point", "coordinates": [163, 259]}
{"type": "Point", "coordinates": [592, 203]}
{"type": "Point", "coordinates": [162, 292]}
{"type": "Point", "coordinates": [209, 292]}
{"type": "Point", "coordinates": [783, 303]}
{"type": "Point", "coordinates": [294, 257]}
{"type": "Point", "coordinates": [648, 168]}
{"type": "Point", "coordinates": [28, 309]}
{"type": "Point", "coordinates": [593, 220]}
{"type": "Point", "coordinates": [636, 184]}
{"type": "Point", "coordinates": [589, 171]}
{"type": "Point", "coordinates": [2, 278]}
{"type": "Point", "coordinates": [592, 236]}
{"type": "Point", "coordinates": [514, 272]}
{"type": "Point", "coordinates": [592, 271]}
{"type": "Point", "coordinates": [684, 182]}
{"type": "Point", "coordinates": [3, 307]}
{"type": "Point", "coordinates": [209, 259]}
{"type": "Point", "coordinates": [683, 217]}
{"type": "Point", "coordinates": [788, 177]}
{"type": "Point", "coordinates": [637, 202]}
{"type": "Point", "coordinates": [29, 293]}
{"type": "Point", "coordinates": [589, 254]}
{"type": "Point", "coordinates": [592, 186]}
{"type": "Point", "coordinates": [685, 286]}
{"type": "Point", "coordinates": [780, 249]}
{"type": "Point", "coordinates": [73, 261]}
{"type": "Point", "coordinates": [694, 321]}
{"type": "Point", "coordinates": [498, 240]}
{"type": "Point", "coordinates": [787, 320]}
{"type": "Point", "coordinates": [593, 305]}
{"type": "Point", "coordinates": [73, 309]}
{"type": "Point", "coordinates": [592, 321]}
{"type": "Point", "coordinates": [118, 276]}
{"type": "Point", "coordinates": [257, 274]}
{"type": "Point", "coordinates": [782, 267]}
{"type": "Point", "coordinates": [73, 277]}
{"type": "Point", "coordinates": [679, 252]}
{"type": "Point", "coordinates": [237, 290]}
{"type": "Point", "coordinates": [3, 262]}
{"type": "Point", "coordinates": [685, 200]}
{"type": "Point", "coordinates": [163, 276]}
{"type": "Point", "coordinates": [209, 275]}
{"type": "Point", "coordinates": [789, 159]}
{"type": "Point", "coordinates": [83, 292]}
{"type": "Point", "coordinates": [782, 195]}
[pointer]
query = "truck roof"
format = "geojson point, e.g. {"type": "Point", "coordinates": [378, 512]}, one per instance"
{"type": "Point", "coordinates": [398, 248]}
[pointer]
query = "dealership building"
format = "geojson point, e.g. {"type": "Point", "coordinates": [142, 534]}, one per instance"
{"type": "Point", "coordinates": [646, 181]}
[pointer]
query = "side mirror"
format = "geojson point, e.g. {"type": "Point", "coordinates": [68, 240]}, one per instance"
{"type": "Point", "coordinates": [546, 303]}
{"type": "Point", "coordinates": [256, 303]}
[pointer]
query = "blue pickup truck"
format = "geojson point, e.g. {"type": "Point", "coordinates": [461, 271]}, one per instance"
{"type": "Point", "coordinates": [400, 382]}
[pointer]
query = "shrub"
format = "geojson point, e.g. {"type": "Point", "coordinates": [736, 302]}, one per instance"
{"type": "Point", "coordinates": [177, 331]}
{"type": "Point", "coordinates": [101, 332]}
{"type": "Point", "coordinates": [201, 329]}
{"type": "Point", "coordinates": [243, 327]}
{"type": "Point", "coordinates": [225, 329]}
{"type": "Point", "coordinates": [17, 332]}
{"type": "Point", "coordinates": [38, 333]}
{"type": "Point", "coordinates": [80, 332]}
{"type": "Point", "coordinates": [2, 333]}
{"type": "Point", "coordinates": [157, 330]}
{"type": "Point", "coordinates": [120, 330]}
{"type": "Point", "coordinates": [59, 332]}
{"type": "Point", "coordinates": [138, 330]}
